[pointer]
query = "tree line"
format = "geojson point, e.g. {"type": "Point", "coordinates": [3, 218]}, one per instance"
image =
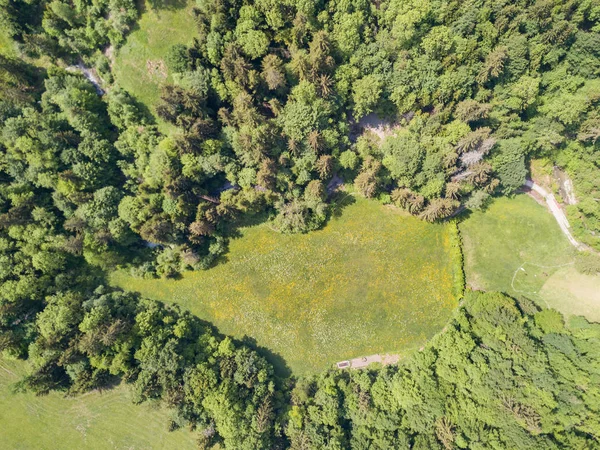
{"type": "Point", "coordinates": [267, 99]}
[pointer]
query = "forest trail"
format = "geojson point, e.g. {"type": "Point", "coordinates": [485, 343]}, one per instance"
{"type": "Point", "coordinates": [89, 74]}
{"type": "Point", "coordinates": [361, 363]}
{"type": "Point", "coordinates": [556, 211]}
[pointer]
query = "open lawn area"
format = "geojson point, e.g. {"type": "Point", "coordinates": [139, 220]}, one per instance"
{"type": "Point", "coordinates": [373, 280]}
{"type": "Point", "coordinates": [573, 293]}
{"type": "Point", "coordinates": [516, 247]}
{"type": "Point", "coordinates": [140, 66]}
{"type": "Point", "coordinates": [107, 420]}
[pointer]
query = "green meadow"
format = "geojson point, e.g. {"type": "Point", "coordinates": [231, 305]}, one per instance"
{"type": "Point", "coordinates": [140, 67]}
{"type": "Point", "coordinates": [517, 247]}
{"type": "Point", "coordinates": [373, 280]}
{"type": "Point", "coordinates": [573, 293]}
{"type": "Point", "coordinates": [96, 420]}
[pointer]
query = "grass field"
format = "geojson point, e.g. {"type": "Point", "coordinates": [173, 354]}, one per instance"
{"type": "Point", "coordinates": [516, 247]}
{"type": "Point", "coordinates": [573, 293]}
{"type": "Point", "coordinates": [373, 280]}
{"type": "Point", "coordinates": [140, 66]}
{"type": "Point", "coordinates": [96, 420]}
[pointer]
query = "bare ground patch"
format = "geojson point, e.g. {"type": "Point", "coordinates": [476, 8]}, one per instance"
{"type": "Point", "coordinates": [109, 52]}
{"type": "Point", "coordinates": [156, 68]}
{"type": "Point", "coordinates": [378, 126]}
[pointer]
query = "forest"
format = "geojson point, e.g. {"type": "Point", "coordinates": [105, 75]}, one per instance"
{"type": "Point", "coordinates": [264, 117]}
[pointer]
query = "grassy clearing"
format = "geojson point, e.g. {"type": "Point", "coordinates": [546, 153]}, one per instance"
{"type": "Point", "coordinates": [573, 293]}
{"type": "Point", "coordinates": [96, 420]}
{"type": "Point", "coordinates": [373, 280]}
{"type": "Point", "coordinates": [516, 247]}
{"type": "Point", "coordinates": [140, 66]}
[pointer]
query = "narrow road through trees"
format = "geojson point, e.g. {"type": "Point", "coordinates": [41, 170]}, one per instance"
{"type": "Point", "coordinates": [556, 211]}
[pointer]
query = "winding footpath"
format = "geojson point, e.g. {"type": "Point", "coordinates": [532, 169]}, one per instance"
{"type": "Point", "coordinates": [556, 211]}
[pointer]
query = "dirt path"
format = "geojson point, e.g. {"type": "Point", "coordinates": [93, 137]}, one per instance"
{"type": "Point", "coordinates": [565, 184]}
{"type": "Point", "coordinates": [361, 363]}
{"type": "Point", "coordinates": [557, 212]}
{"type": "Point", "coordinates": [381, 127]}
{"type": "Point", "coordinates": [89, 74]}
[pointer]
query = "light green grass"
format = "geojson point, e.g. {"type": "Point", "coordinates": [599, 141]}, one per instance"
{"type": "Point", "coordinates": [573, 293]}
{"type": "Point", "coordinates": [107, 420]}
{"type": "Point", "coordinates": [373, 280]}
{"type": "Point", "coordinates": [514, 247]}
{"type": "Point", "coordinates": [140, 66]}
{"type": "Point", "coordinates": [7, 45]}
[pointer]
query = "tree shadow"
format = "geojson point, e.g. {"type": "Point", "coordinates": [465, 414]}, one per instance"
{"type": "Point", "coordinates": [464, 213]}
{"type": "Point", "coordinates": [232, 230]}
{"type": "Point", "coordinates": [461, 214]}
{"type": "Point", "coordinates": [280, 365]}
{"type": "Point", "coordinates": [144, 110]}
{"type": "Point", "coordinates": [339, 201]}
{"type": "Point", "coordinates": [111, 382]}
